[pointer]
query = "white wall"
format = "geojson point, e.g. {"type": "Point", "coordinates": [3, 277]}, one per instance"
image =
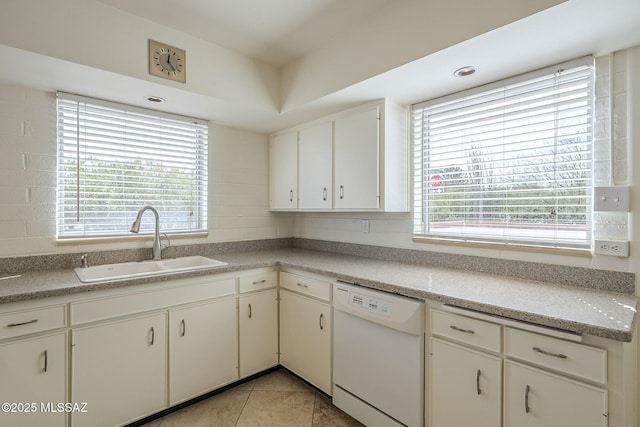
{"type": "Point", "coordinates": [238, 181]}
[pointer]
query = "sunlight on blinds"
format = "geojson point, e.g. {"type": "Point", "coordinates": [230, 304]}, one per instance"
{"type": "Point", "coordinates": [114, 159]}
{"type": "Point", "coordinates": [508, 163]}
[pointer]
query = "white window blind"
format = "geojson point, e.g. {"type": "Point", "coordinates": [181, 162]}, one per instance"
{"type": "Point", "coordinates": [508, 162]}
{"type": "Point", "coordinates": [113, 159]}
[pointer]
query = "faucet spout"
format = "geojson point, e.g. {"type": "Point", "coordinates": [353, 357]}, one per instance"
{"type": "Point", "coordinates": [135, 228]}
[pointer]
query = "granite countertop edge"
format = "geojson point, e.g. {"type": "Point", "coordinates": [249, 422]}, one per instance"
{"type": "Point", "coordinates": [480, 292]}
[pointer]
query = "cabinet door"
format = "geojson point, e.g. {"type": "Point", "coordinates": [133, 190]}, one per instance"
{"type": "Point", "coordinates": [305, 338]}
{"type": "Point", "coordinates": [356, 161]}
{"type": "Point", "coordinates": [465, 386]}
{"type": "Point", "coordinates": [203, 349]}
{"type": "Point", "coordinates": [258, 331]}
{"type": "Point", "coordinates": [119, 369]}
{"type": "Point", "coordinates": [283, 171]}
{"type": "Point", "coordinates": [535, 398]}
{"type": "Point", "coordinates": [34, 372]}
{"type": "Point", "coordinates": [315, 169]}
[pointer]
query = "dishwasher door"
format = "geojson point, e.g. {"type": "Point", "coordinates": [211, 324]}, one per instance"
{"type": "Point", "coordinates": [378, 362]}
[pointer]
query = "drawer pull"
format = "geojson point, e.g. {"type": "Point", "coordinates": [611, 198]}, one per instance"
{"type": "Point", "coordinates": [153, 336]}
{"type": "Point", "coordinates": [183, 328]}
{"type": "Point", "coordinates": [12, 325]}
{"type": "Point", "coordinates": [259, 282]}
{"type": "Point", "coordinates": [342, 192]}
{"type": "Point", "coordinates": [526, 399]}
{"type": "Point", "coordinates": [466, 331]}
{"type": "Point", "coordinates": [46, 361]}
{"type": "Point", "coordinates": [321, 321]}
{"type": "Point", "coordinates": [541, 351]}
{"type": "Point", "coordinates": [250, 312]}
{"type": "Point", "coordinates": [478, 383]}
{"type": "Point", "coordinates": [302, 285]}
{"type": "Point", "coordinates": [291, 195]}
{"type": "Point", "coordinates": [324, 194]}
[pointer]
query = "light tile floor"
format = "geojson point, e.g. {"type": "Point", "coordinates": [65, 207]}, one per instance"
{"type": "Point", "coordinates": [278, 399]}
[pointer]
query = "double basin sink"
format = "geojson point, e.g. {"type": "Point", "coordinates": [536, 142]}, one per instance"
{"type": "Point", "coordinates": [130, 270]}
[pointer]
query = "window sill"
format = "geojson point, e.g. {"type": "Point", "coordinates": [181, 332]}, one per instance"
{"type": "Point", "coordinates": [504, 246]}
{"type": "Point", "coordinates": [120, 239]}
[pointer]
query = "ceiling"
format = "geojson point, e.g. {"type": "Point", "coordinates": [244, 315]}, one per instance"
{"type": "Point", "coordinates": [273, 31]}
{"type": "Point", "coordinates": [289, 35]}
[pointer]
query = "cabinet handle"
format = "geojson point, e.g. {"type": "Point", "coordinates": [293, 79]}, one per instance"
{"type": "Point", "coordinates": [526, 399]}
{"type": "Point", "coordinates": [259, 282]}
{"type": "Point", "coordinates": [541, 351]}
{"type": "Point", "coordinates": [324, 194]}
{"type": "Point", "coordinates": [478, 382]}
{"type": "Point", "coordinates": [46, 361]}
{"type": "Point", "coordinates": [250, 312]}
{"type": "Point", "coordinates": [291, 195]}
{"type": "Point", "coordinates": [466, 331]}
{"type": "Point", "coordinates": [342, 191]}
{"type": "Point", "coordinates": [153, 336]}
{"type": "Point", "coordinates": [302, 285]}
{"type": "Point", "coordinates": [321, 321]}
{"type": "Point", "coordinates": [183, 328]}
{"type": "Point", "coordinates": [12, 325]}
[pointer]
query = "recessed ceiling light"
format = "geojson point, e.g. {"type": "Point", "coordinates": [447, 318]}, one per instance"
{"type": "Point", "coordinates": [155, 99]}
{"type": "Point", "coordinates": [465, 71]}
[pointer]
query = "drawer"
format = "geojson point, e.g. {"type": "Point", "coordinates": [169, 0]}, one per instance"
{"type": "Point", "coordinates": [256, 282]}
{"type": "Point", "coordinates": [306, 286]}
{"type": "Point", "coordinates": [466, 330]}
{"type": "Point", "coordinates": [564, 356]}
{"type": "Point", "coordinates": [30, 321]}
{"type": "Point", "coordinates": [122, 305]}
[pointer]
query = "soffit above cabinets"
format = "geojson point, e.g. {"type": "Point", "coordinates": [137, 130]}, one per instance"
{"type": "Point", "coordinates": [301, 63]}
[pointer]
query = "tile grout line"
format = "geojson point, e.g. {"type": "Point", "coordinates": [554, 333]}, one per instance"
{"type": "Point", "coordinates": [245, 404]}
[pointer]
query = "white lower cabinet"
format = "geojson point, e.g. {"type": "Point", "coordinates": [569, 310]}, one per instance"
{"type": "Point", "coordinates": [258, 322]}
{"type": "Point", "coordinates": [119, 369]}
{"type": "Point", "coordinates": [536, 398]}
{"type": "Point", "coordinates": [203, 348]}
{"type": "Point", "coordinates": [305, 338]}
{"type": "Point", "coordinates": [33, 382]}
{"type": "Point", "coordinates": [466, 386]}
{"type": "Point", "coordinates": [490, 372]}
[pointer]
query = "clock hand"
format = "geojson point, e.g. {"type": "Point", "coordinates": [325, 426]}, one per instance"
{"type": "Point", "coordinates": [170, 63]}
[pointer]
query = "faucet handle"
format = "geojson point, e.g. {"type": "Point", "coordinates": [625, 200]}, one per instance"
{"type": "Point", "coordinates": [84, 261]}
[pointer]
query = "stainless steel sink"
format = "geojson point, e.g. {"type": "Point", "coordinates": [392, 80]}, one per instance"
{"type": "Point", "coordinates": [128, 270]}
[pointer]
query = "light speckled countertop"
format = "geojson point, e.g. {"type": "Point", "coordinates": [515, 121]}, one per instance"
{"type": "Point", "coordinates": [579, 310]}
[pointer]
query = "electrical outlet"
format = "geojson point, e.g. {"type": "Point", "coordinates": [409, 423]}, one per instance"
{"type": "Point", "coordinates": [366, 227]}
{"type": "Point", "coordinates": [612, 247]}
{"type": "Point", "coordinates": [611, 199]}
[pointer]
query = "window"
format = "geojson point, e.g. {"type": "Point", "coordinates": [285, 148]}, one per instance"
{"type": "Point", "coordinates": [113, 159]}
{"type": "Point", "coordinates": [508, 162]}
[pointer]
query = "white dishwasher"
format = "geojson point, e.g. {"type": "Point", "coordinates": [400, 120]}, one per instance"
{"type": "Point", "coordinates": [378, 356]}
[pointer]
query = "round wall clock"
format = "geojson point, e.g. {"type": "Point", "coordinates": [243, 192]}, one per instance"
{"type": "Point", "coordinates": [167, 61]}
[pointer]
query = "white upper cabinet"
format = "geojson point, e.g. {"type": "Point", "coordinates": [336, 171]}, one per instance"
{"type": "Point", "coordinates": [283, 171]}
{"type": "Point", "coordinates": [315, 156]}
{"type": "Point", "coordinates": [356, 164]}
{"type": "Point", "coordinates": [356, 160]}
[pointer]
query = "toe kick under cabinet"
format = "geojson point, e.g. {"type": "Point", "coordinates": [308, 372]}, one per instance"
{"type": "Point", "coordinates": [490, 371]}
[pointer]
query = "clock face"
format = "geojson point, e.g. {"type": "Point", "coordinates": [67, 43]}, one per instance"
{"type": "Point", "coordinates": [167, 61]}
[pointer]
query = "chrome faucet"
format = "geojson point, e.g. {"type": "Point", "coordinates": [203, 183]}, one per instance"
{"type": "Point", "coordinates": [135, 228]}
